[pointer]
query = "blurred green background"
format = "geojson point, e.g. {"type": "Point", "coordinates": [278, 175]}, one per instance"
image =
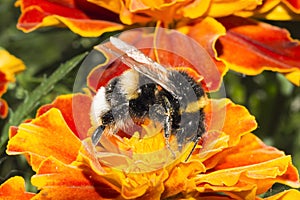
{"type": "Point", "coordinates": [273, 100]}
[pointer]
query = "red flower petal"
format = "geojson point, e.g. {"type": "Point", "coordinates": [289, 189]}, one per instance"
{"type": "Point", "coordinates": [3, 109]}
{"type": "Point", "coordinates": [38, 13]}
{"type": "Point", "coordinates": [293, 4]}
{"type": "Point", "coordinates": [206, 32]}
{"type": "Point", "coordinates": [160, 47]}
{"type": "Point", "coordinates": [181, 46]}
{"type": "Point", "coordinates": [250, 47]}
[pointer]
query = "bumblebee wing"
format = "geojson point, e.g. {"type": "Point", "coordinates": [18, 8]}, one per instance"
{"type": "Point", "coordinates": [138, 61]}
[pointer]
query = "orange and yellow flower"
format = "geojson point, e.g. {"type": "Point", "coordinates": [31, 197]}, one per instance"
{"type": "Point", "coordinates": [9, 66]}
{"type": "Point", "coordinates": [221, 27]}
{"type": "Point", "coordinates": [229, 162]}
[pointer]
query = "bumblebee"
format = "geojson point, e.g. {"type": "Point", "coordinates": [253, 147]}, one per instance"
{"type": "Point", "coordinates": [149, 91]}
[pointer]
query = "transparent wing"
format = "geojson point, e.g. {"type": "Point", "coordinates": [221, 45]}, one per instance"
{"type": "Point", "coordinates": [138, 61]}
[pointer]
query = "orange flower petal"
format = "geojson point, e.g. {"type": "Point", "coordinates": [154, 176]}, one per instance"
{"type": "Point", "coordinates": [14, 188]}
{"type": "Point", "coordinates": [223, 115]}
{"type": "Point", "coordinates": [213, 142]}
{"type": "Point", "coordinates": [266, 6]}
{"type": "Point", "coordinates": [264, 47]}
{"type": "Point", "coordinates": [47, 135]}
{"type": "Point", "coordinates": [179, 180]}
{"type": "Point", "coordinates": [206, 32]}
{"type": "Point", "coordinates": [225, 7]}
{"type": "Point", "coordinates": [285, 195]}
{"type": "Point", "coordinates": [81, 17]}
{"type": "Point", "coordinates": [250, 150]}
{"type": "Point", "coordinates": [251, 162]}
{"type": "Point", "coordinates": [58, 180]}
{"type": "Point", "coordinates": [263, 175]}
{"type": "Point", "coordinates": [196, 9]}
{"type": "Point", "coordinates": [222, 130]}
{"type": "Point", "coordinates": [75, 109]}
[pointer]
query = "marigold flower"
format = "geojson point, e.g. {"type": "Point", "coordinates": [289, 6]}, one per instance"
{"type": "Point", "coordinates": [9, 66]}
{"type": "Point", "coordinates": [221, 27]}
{"type": "Point", "coordinates": [67, 165]}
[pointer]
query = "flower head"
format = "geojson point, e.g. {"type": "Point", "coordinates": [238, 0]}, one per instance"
{"type": "Point", "coordinates": [65, 164]}
{"type": "Point", "coordinates": [221, 27]}
{"type": "Point", "coordinates": [58, 146]}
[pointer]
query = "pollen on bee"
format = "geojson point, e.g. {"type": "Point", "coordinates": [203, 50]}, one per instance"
{"type": "Point", "coordinates": [196, 105]}
{"type": "Point", "coordinates": [159, 88]}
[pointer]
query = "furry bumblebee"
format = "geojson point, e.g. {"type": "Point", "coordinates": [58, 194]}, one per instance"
{"type": "Point", "coordinates": [149, 91]}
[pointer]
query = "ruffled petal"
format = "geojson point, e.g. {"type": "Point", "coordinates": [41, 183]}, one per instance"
{"type": "Point", "coordinates": [47, 135]}
{"type": "Point", "coordinates": [196, 8]}
{"type": "Point", "coordinates": [265, 7]}
{"type": "Point", "coordinates": [251, 162]}
{"type": "Point", "coordinates": [14, 188]}
{"type": "Point", "coordinates": [223, 115]}
{"type": "Point", "coordinates": [276, 11]}
{"type": "Point", "coordinates": [55, 178]}
{"type": "Point", "coordinates": [222, 131]}
{"type": "Point", "coordinates": [264, 47]}
{"type": "Point", "coordinates": [36, 14]}
{"type": "Point", "coordinates": [179, 180]}
{"type": "Point", "coordinates": [225, 8]}
{"type": "Point", "coordinates": [76, 112]}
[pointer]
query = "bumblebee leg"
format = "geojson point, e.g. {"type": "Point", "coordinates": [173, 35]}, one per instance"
{"type": "Point", "coordinates": [200, 131]}
{"type": "Point", "coordinates": [168, 123]}
{"type": "Point", "coordinates": [195, 140]}
{"type": "Point", "coordinates": [97, 134]}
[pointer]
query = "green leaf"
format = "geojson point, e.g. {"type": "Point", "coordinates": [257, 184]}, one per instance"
{"type": "Point", "coordinates": [33, 98]}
